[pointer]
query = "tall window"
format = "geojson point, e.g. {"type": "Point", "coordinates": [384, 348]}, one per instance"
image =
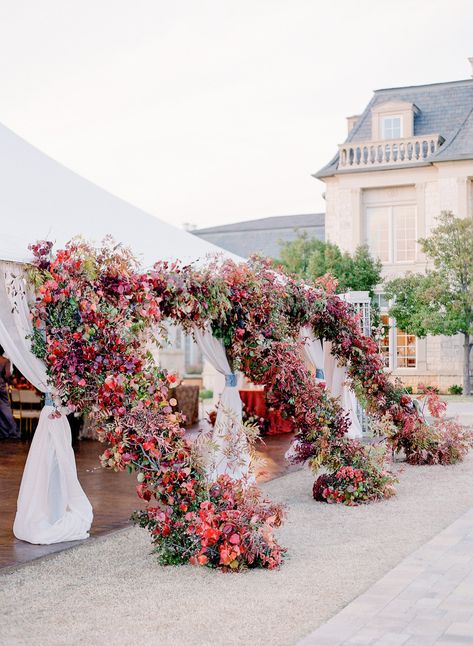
{"type": "Point", "coordinates": [392, 127]}
{"type": "Point", "coordinates": [406, 350]}
{"type": "Point", "coordinates": [398, 349]}
{"type": "Point", "coordinates": [391, 232]}
{"type": "Point", "coordinates": [192, 355]}
{"type": "Point", "coordinates": [384, 344]}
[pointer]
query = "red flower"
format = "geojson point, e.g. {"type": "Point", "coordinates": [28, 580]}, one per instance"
{"type": "Point", "coordinates": [143, 492]}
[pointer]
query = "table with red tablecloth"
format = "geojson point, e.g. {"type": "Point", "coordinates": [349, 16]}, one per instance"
{"type": "Point", "coordinates": [255, 403]}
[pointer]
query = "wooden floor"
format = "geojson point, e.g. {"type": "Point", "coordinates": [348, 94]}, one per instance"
{"type": "Point", "coordinates": [112, 495]}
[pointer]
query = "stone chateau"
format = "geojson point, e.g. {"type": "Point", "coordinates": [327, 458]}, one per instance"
{"type": "Point", "coordinates": [407, 157]}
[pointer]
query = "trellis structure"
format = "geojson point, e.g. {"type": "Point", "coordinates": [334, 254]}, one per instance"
{"type": "Point", "coordinates": [361, 303]}
{"type": "Point", "coordinates": [97, 309]}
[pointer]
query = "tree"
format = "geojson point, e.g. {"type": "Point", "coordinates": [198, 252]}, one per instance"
{"type": "Point", "coordinates": [311, 258]}
{"type": "Point", "coordinates": [440, 302]}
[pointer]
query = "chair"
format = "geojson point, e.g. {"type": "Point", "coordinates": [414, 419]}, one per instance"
{"type": "Point", "coordinates": [26, 408]}
{"type": "Point", "coordinates": [188, 402]}
{"type": "Point", "coordinates": [192, 381]}
{"type": "Point", "coordinates": [30, 407]}
{"type": "Point", "coordinates": [14, 397]}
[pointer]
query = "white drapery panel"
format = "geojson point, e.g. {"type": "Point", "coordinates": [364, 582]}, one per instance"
{"type": "Point", "coordinates": [313, 351]}
{"type": "Point", "coordinates": [232, 455]}
{"type": "Point", "coordinates": [15, 325]}
{"type": "Point", "coordinates": [52, 507]}
{"type": "Point", "coordinates": [336, 384]}
{"type": "Point", "coordinates": [320, 356]}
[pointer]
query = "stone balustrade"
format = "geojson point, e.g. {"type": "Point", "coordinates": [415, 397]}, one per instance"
{"type": "Point", "coordinates": [388, 152]}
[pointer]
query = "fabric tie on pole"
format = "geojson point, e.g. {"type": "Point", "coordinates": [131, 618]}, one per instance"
{"type": "Point", "coordinates": [48, 400]}
{"type": "Point", "coordinates": [231, 380]}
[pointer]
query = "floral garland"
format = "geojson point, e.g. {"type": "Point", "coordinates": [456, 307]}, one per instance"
{"type": "Point", "coordinates": [91, 318]}
{"type": "Point", "coordinates": [384, 400]}
{"type": "Point", "coordinates": [258, 314]}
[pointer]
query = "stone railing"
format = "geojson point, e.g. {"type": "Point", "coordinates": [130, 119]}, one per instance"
{"type": "Point", "coordinates": [388, 152]}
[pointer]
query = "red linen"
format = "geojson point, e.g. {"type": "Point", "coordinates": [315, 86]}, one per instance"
{"type": "Point", "coordinates": [255, 404]}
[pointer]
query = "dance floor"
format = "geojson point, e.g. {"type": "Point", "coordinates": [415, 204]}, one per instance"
{"type": "Point", "coordinates": [112, 495]}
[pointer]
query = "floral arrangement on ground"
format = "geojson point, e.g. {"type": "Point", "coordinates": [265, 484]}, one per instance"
{"type": "Point", "coordinates": [365, 479]}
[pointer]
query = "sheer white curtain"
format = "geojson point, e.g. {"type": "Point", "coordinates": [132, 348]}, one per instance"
{"type": "Point", "coordinates": [232, 456]}
{"type": "Point", "coordinates": [52, 507]}
{"type": "Point", "coordinates": [313, 351]}
{"type": "Point", "coordinates": [336, 383]}
{"type": "Point", "coordinates": [327, 369]}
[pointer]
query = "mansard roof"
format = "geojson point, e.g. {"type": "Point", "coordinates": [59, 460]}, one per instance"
{"type": "Point", "coordinates": [443, 108]}
{"type": "Point", "coordinates": [263, 235]}
{"type": "Point", "coordinates": [273, 222]}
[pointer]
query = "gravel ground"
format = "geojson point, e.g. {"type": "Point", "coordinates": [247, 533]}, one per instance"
{"type": "Point", "coordinates": [111, 590]}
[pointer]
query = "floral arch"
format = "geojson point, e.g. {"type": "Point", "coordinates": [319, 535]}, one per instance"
{"type": "Point", "coordinates": [92, 317]}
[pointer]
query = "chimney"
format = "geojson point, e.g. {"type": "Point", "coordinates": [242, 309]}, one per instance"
{"type": "Point", "coordinates": [351, 122]}
{"type": "Point", "coordinates": [471, 63]}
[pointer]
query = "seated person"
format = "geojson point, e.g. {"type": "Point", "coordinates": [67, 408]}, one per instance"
{"type": "Point", "coordinates": [8, 428]}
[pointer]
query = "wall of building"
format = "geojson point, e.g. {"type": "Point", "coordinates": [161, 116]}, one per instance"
{"type": "Point", "coordinates": [445, 186]}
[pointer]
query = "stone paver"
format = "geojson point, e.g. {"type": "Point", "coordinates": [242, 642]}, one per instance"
{"type": "Point", "coordinates": [427, 599]}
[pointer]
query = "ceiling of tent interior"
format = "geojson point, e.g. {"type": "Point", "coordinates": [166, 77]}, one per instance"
{"type": "Point", "coordinates": [42, 200]}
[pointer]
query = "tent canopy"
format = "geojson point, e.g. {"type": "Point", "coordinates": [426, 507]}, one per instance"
{"type": "Point", "coordinates": [42, 200]}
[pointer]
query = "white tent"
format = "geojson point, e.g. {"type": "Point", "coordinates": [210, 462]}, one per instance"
{"type": "Point", "coordinates": [42, 200]}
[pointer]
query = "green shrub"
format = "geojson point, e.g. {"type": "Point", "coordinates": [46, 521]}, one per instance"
{"type": "Point", "coordinates": [455, 389]}
{"type": "Point", "coordinates": [205, 393]}
{"type": "Point", "coordinates": [408, 390]}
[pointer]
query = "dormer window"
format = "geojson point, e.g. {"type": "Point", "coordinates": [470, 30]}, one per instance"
{"type": "Point", "coordinates": [393, 120]}
{"type": "Point", "coordinates": [391, 127]}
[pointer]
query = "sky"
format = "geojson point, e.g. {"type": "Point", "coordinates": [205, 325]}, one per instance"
{"type": "Point", "coordinates": [214, 111]}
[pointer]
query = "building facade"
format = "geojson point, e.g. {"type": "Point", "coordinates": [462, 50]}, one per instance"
{"type": "Point", "coordinates": [407, 157]}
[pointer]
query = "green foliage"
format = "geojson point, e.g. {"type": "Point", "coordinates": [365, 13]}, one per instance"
{"type": "Point", "coordinates": [38, 343]}
{"type": "Point", "coordinates": [455, 389]}
{"type": "Point", "coordinates": [310, 258]}
{"type": "Point", "coordinates": [441, 301]}
{"type": "Point", "coordinates": [205, 393]}
{"type": "Point", "coordinates": [422, 304]}
{"type": "Point", "coordinates": [295, 255]}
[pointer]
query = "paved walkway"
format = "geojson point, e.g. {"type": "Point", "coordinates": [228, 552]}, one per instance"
{"type": "Point", "coordinates": [462, 410]}
{"type": "Point", "coordinates": [427, 599]}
